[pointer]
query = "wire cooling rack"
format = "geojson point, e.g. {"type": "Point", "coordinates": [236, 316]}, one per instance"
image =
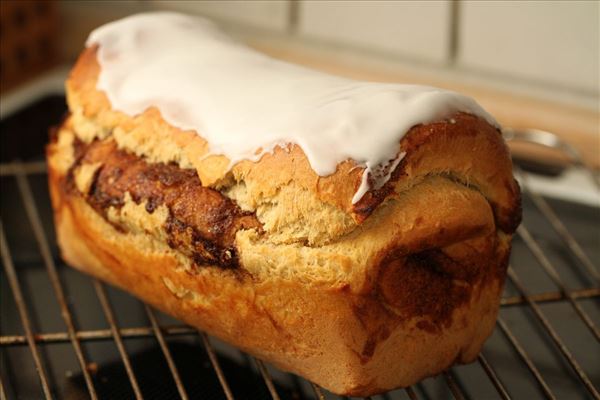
{"type": "Point", "coordinates": [65, 335]}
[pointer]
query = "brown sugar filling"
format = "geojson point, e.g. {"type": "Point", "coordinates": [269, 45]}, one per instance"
{"type": "Point", "coordinates": [202, 223]}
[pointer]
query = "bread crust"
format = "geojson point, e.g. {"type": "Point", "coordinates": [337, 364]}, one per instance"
{"type": "Point", "coordinates": [359, 298]}
{"type": "Point", "coordinates": [391, 333]}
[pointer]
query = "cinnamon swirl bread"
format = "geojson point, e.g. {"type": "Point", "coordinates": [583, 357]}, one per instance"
{"type": "Point", "coordinates": [354, 233]}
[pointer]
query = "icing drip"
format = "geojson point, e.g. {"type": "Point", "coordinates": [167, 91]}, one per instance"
{"type": "Point", "coordinates": [241, 101]}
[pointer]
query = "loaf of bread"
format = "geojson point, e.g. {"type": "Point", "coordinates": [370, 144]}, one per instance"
{"type": "Point", "coordinates": [356, 234]}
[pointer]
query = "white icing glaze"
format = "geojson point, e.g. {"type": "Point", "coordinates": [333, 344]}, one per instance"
{"type": "Point", "coordinates": [245, 103]}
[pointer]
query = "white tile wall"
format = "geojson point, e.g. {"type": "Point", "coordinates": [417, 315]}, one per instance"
{"type": "Point", "coordinates": [550, 46]}
{"type": "Point", "coordinates": [415, 29]}
{"type": "Point", "coordinates": [555, 42]}
{"type": "Point", "coordinates": [269, 14]}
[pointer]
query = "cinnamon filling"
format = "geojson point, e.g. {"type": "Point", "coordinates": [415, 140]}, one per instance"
{"type": "Point", "coordinates": [202, 223]}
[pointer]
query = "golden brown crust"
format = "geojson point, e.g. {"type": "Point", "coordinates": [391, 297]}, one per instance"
{"type": "Point", "coordinates": [467, 149]}
{"type": "Point", "coordinates": [433, 294]}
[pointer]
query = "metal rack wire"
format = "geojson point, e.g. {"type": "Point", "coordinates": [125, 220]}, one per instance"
{"type": "Point", "coordinates": [22, 172]}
